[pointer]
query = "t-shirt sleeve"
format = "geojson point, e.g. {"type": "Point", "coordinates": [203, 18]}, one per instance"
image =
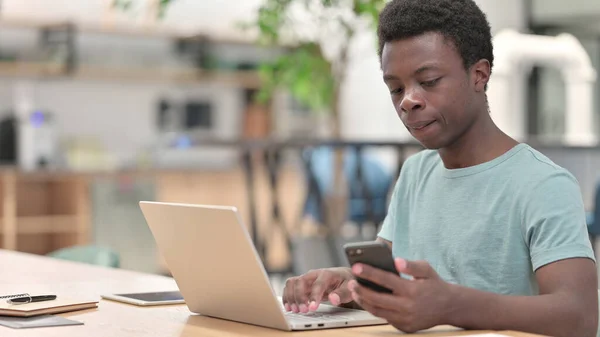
{"type": "Point", "coordinates": [554, 221]}
{"type": "Point", "coordinates": [388, 228]}
{"type": "Point", "coordinates": [397, 209]}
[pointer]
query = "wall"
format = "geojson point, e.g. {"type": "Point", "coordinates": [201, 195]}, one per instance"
{"type": "Point", "coordinates": [552, 99]}
{"type": "Point", "coordinates": [212, 16]}
{"type": "Point", "coordinates": [121, 116]}
{"type": "Point", "coordinates": [504, 14]}
{"type": "Point", "coordinates": [367, 109]}
{"type": "Point", "coordinates": [552, 11]}
{"type": "Point", "coordinates": [95, 109]}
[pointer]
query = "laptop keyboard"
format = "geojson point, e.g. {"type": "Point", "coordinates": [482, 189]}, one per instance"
{"type": "Point", "coordinates": [315, 316]}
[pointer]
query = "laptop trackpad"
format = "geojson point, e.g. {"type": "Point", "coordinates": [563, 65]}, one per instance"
{"type": "Point", "coordinates": [331, 309]}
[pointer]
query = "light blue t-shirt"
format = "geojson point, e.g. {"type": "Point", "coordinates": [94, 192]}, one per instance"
{"type": "Point", "coordinates": [488, 226]}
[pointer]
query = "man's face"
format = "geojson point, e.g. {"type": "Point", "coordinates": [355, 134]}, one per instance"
{"type": "Point", "coordinates": [430, 89]}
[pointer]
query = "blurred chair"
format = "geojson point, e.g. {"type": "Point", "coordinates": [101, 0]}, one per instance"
{"type": "Point", "coordinates": [366, 204]}
{"type": "Point", "coordinates": [593, 218]}
{"type": "Point", "coordinates": [99, 256]}
{"type": "Point", "coordinates": [363, 205]}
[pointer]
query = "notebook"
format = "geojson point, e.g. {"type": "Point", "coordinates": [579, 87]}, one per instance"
{"type": "Point", "coordinates": [40, 321]}
{"type": "Point", "coordinates": [59, 305]}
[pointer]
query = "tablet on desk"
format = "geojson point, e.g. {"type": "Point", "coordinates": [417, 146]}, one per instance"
{"type": "Point", "coordinates": [145, 299]}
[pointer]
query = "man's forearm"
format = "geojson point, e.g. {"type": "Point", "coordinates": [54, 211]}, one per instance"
{"type": "Point", "coordinates": [553, 315]}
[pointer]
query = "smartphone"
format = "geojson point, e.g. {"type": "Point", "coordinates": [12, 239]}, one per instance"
{"type": "Point", "coordinates": [374, 253]}
{"type": "Point", "coordinates": [147, 299]}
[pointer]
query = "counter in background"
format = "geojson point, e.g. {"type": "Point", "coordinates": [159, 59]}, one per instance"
{"type": "Point", "coordinates": [43, 212]}
{"type": "Point", "coordinates": [46, 211]}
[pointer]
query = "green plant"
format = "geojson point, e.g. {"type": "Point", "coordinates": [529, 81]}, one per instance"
{"type": "Point", "coordinates": [312, 77]}
{"type": "Point", "coordinates": [314, 66]}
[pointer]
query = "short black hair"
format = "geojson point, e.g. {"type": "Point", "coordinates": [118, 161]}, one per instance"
{"type": "Point", "coordinates": [460, 21]}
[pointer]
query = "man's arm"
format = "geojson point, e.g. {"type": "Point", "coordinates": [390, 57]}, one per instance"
{"type": "Point", "coordinates": [567, 304]}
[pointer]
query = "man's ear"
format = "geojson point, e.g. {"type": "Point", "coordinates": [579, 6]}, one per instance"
{"type": "Point", "coordinates": [480, 73]}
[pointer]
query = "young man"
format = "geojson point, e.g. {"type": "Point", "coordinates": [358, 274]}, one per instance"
{"type": "Point", "coordinates": [492, 232]}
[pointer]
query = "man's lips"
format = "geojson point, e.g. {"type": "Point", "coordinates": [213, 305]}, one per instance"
{"type": "Point", "coordinates": [420, 125]}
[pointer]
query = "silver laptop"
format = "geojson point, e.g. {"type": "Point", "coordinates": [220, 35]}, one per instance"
{"type": "Point", "coordinates": [219, 273]}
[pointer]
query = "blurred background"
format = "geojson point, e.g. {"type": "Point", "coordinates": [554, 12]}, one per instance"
{"type": "Point", "coordinates": [275, 107]}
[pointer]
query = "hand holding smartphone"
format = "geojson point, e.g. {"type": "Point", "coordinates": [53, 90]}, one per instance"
{"type": "Point", "coordinates": [374, 253]}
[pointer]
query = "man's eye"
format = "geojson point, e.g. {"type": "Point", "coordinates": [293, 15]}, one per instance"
{"type": "Point", "coordinates": [431, 83]}
{"type": "Point", "coordinates": [397, 91]}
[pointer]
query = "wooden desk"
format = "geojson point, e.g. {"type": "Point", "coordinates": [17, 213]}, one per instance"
{"type": "Point", "coordinates": [36, 274]}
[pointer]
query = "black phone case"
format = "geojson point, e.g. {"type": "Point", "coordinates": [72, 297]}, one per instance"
{"type": "Point", "coordinates": [374, 254]}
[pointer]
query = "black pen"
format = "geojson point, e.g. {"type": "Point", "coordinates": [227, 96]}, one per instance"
{"type": "Point", "coordinates": [31, 299]}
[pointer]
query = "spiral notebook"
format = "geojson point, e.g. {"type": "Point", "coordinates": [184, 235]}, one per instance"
{"type": "Point", "coordinates": [59, 305]}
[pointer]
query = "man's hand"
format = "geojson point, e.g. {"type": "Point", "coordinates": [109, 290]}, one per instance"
{"type": "Point", "coordinates": [306, 292]}
{"type": "Point", "coordinates": [566, 306]}
{"type": "Point", "coordinates": [414, 305]}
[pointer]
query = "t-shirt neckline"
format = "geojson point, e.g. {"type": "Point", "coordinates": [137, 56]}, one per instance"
{"type": "Point", "coordinates": [467, 171]}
